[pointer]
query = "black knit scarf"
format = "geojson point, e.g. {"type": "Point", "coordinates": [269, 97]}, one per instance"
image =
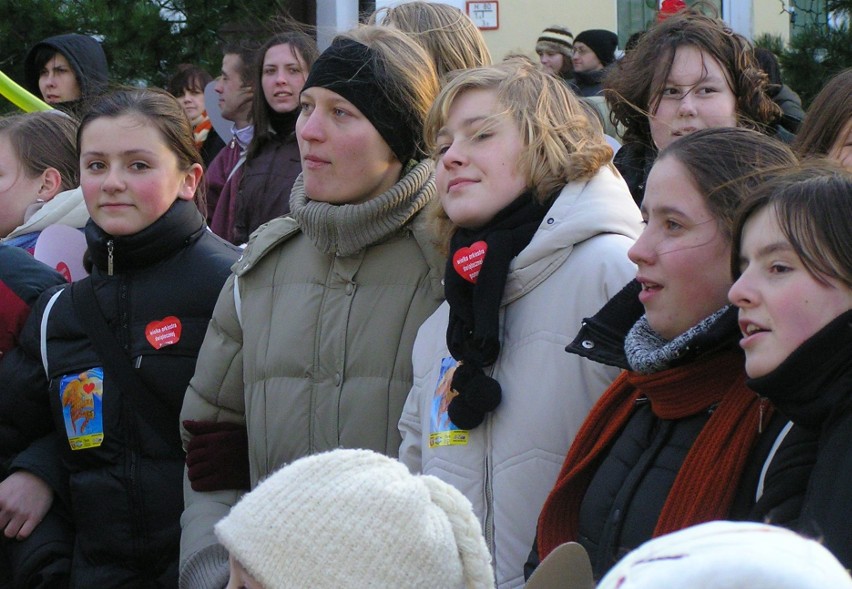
{"type": "Point", "coordinates": [473, 330]}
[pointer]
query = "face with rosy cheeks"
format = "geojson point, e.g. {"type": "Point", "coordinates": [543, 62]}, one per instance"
{"type": "Point", "coordinates": [129, 175]}
{"type": "Point", "coordinates": [282, 77]}
{"type": "Point", "coordinates": [841, 151]}
{"type": "Point", "coordinates": [478, 149]}
{"type": "Point", "coordinates": [696, 95]}
{"type": "Point", "coordinates": [781, 303]}
{"type": "Point", "coordinates": [344, 159]}
{"type": "Point", "coordinates": [682, 255]}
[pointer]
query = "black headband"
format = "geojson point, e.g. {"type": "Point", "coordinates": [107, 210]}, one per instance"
{"type": "Point", "coordinates": [352, 70]}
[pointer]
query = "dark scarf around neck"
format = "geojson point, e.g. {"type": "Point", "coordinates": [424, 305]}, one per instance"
{"type": "Point", "coordinates": [473, 329]}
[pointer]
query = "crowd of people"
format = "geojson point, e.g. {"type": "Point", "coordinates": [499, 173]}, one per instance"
{"type": "Point", "coordinates": [423, 320]}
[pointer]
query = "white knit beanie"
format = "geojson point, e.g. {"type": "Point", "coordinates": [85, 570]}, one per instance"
{"type": "Point", "coordinates": [356, 519]}
{"type": "Point", "coordinates": [729, 555]}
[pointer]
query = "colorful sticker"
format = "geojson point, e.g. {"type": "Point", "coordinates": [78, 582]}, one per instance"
{"type": "Point", "coordinates": [442, 432]}
{"type": "Point", "coordinates": [81, 396]}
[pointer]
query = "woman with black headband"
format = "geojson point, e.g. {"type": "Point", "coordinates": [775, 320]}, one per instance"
{"type": "Point", "coordinates": [310, 344]}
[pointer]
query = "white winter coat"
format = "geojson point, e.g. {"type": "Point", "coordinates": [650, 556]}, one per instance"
{"type": "Point", "coordinates": [575, 262]}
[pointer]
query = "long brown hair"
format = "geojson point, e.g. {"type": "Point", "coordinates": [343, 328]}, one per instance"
{"type": "Point", "coordinates": [827, 116]}
{"type": "Point", "coordinates": [633, 87]}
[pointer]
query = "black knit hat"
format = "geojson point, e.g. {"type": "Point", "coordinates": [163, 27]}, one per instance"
{"type": "Point", "coordinates": [602, 42]}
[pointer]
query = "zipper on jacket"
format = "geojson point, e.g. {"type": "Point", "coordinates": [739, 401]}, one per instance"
{"type": "Point", "coordinates": [110, 247]}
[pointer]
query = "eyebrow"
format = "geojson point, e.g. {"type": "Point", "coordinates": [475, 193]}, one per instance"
{"type": "Point", "coordinates": [665, 210]}
{"type": "Point", "coordinates": [127, 153]}
{"type": "Point", "coordinates": [464, 124]}
{"type": "Point", "coordinates": [768, 250]}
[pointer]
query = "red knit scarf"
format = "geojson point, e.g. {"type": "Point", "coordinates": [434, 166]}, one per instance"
{"type": "Point", "coordinates": [705, 486]}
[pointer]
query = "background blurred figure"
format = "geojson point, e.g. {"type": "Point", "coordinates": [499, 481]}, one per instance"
{"type": "Point", "coordinates": [357, 519]}
{"type": "Point", "coordinates": [187, 85]}
{"type": "Point", "coordinates": [66, 70]}
{"type": "Point", "coordinates": [272, 160]}
{"type": "Point", "coordinates": [555, 49]}
{"type": "Point", "coordinates": [39, 176]}
{"type": "Point", "coordinates": [235, 87]}
{"type": "Point", "coordinates": [593, 52]}
{"type": "Point", "coordinates": [827, 128]}
{"type": "Point", "coordinates": [446, 33]}
{"type": "Point", "coordinates": [779, 92]}
{"type": "Point", "coordinates": [687, 73]}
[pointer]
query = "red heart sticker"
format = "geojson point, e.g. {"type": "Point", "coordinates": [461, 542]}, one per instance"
{"type": "Point", "coordinates": [468, 260]}
{"type": "Point", "coordinates": [63, 269]}
{"type": "Point", "coordinates": [89, 387]}
{"type": "Point", "coordinates": [164, 332]}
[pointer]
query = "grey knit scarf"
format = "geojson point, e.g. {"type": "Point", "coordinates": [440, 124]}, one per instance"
{"type": "Point", "coordinates": [345, 230]}
{"type": "Point", "coordinates": [648, 352]}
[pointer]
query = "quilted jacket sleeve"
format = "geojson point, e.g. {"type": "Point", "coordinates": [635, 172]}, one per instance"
{"type": "Point", "coordinates": [215, 393]}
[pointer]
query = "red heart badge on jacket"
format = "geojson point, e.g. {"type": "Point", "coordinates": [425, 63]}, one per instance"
{"type": "Point", "coordinates": [164, 332]}
{"type": "Point", "coordinates": [468, 260]}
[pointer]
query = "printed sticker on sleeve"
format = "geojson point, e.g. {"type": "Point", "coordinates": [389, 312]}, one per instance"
{"type": "Point", "coordinates": [82, 408]}
{"type": "Point", "coordinates": [442, 431]}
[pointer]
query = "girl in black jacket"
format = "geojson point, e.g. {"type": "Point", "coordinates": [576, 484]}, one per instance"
{"type": "Point", "coordinates": [794, 293]}
{"type": "Point", "coordinates": [103, 404]}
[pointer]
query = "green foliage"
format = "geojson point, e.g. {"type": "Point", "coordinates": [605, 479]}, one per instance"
{"type": "Point", "coordinates": [773, 43]}
{"type": "Point", "coordinates": [817, 51]}
{"type": "Point", "coordinates": [144, 40]}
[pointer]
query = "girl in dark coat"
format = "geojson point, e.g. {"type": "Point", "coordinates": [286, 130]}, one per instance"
{"type": "Point", "coordinates": [794, 293]}
{"type": "Point", "coordinates": [670, 443]}
{"type": "Point", "coordinates": [102, 405]}
{"type": "Point", "coordinates": [273, 162]}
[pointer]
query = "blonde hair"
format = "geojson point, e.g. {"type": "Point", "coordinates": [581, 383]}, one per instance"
{"type": "Point", "coordinates": [445, 32]}
{"type": "Point", "coordinates": [562, 142]}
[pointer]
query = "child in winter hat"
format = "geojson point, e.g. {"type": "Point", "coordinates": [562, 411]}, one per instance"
{"type": "Point", "coordinates": [729, 555]}
{"type": "Point", "coordinates": [355, 519]}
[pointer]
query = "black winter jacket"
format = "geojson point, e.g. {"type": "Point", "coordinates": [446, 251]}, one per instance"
{"type": "Point", "coordinates": [808, 484]}
{"type": "Point", "coordinates": [125, 494]}
{"type": "Point", "coordinates": [627, 492]}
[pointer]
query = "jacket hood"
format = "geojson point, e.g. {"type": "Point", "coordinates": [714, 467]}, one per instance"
{"type": "Point", "coordinates": [85, 55]}
{"type": "Point", "coordinates": [583, 209]}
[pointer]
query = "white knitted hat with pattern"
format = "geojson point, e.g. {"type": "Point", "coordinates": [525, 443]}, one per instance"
{"type": "Point", "coordinates": [356, 519]}
{"type": "Point", "coordinates": [729, 555]}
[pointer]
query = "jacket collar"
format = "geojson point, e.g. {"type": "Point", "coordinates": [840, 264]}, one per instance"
{"type": "Point", "coordinates": [815, 379]}
{"type": "Point", "coordinates": [181, 224]}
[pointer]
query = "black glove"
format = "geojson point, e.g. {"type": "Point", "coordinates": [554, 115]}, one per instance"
{"type": "Point", "coordinates": [217, 456]}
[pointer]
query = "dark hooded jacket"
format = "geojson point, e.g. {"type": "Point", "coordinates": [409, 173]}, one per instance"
{"type": "Point", "coordinates": [86, 58]}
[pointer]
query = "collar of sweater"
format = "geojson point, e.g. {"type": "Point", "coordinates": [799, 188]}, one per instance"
{"type": "Point", "coordinates": [181, 224]}
{"type": "Point", "coordinates": [648, 352]}
{"type": "Point", "coordinates": [345, 230]}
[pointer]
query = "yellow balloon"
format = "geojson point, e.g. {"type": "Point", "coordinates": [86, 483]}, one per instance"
{"type": "Point", "coordinates": [20, 97]}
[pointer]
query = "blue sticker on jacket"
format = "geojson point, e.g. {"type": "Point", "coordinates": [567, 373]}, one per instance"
{"type": "Point", "coordinates": [442, 431]}
{"type": "Point", "coordinates": [81, 396]}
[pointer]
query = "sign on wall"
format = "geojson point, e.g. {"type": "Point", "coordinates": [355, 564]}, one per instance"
{"type": "Point", "coordinates": [484, 15]}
